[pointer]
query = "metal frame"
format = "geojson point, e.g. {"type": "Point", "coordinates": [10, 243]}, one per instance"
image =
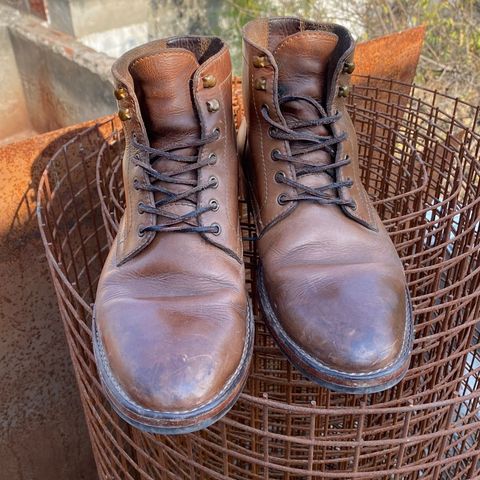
{"type": "Point", "coordinates": [420, 158]}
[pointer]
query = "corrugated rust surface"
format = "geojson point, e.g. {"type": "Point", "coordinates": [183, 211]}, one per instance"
{"type": "Point", "coordinates": [42, 428]}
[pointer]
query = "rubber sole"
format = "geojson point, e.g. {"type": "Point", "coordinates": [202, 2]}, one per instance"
{"type": "Point", "coordinates": [173, 423]}
{"type": "Point", "coordinates": [327, 377]}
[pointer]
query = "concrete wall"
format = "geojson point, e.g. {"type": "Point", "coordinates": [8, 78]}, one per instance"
{"type": "Point", "coordinates": [35, 7]}
{"type": "Point", "coordinates": [63, 81]}
{"type": "Point", "coordinates": [14, 118]}
{"type": "Point", "coordinates": [60, 16]}
{"type": "Point", "coordinates": [84, 17]}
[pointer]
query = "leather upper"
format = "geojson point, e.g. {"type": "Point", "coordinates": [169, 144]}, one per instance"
{"type": "Point", "coordinates": [262, 38]}
{"type": "Point", "coordinates": [171, 306]}
{"type": "Point", "coordinates": [181, 98]}
{"type": "Point", "coordinates": [333, 277]}
{"type": "Point", "coordinates": [172, 321]}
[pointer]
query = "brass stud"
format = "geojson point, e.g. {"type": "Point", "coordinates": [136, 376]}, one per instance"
{"type": "Point", "coordinates": [348, 67]}
{"type": "Point", "coordinates": [261, 84]}
{"type": "Point", "coordinates": [343, 91]}
{"type": "Point", "coordinates": [120, 93]}
{"type": "Point", "coordinates": [124, 114]}
{"type": "Point", "coordinates": [260, 61]}
{"type": "Point", "coordinates": [213, 105]}
{"type": "Point", "coordinates": [209, 81]}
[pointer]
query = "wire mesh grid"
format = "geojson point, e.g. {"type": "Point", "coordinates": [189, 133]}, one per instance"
{"type": "Point", "coordinates": [420, 165]}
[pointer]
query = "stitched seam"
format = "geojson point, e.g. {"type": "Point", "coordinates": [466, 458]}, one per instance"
{"type": "Point", "coordinates": [236, 251]}
{"type": "Point", "coordinates": [143, 241]}
{"type": "Point", "coordinates": [226, 135]}
{"type": "Point", "coordinates": [366, 201]}
{"type": "Point", "coordinates": [269, 31]}
{"type": "Point", "coordinates": [107, 370]}
{"type": "Point", "coordinates": [125, 254]}
{"type": "Point", "coordinates": [221, 83]}
{"type": "Point", "coordinates": [261, 151]}
{"type": "Point", "coordinates": [369, 207]}
{"type": "Point", "coordinates": [363, 194]}
{"type": "Point", "coordinates": [213, 58]}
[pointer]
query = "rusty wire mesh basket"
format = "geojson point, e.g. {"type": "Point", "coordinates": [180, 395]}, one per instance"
{"type": "Point", "coordinates": [419, 153]}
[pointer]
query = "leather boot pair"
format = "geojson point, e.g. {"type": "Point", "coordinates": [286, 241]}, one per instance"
{"type": "Point", "coordinates": [173, 329]}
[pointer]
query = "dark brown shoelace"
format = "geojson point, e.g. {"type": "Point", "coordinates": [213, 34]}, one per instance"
{"type": "Point", "coordinates": [188, 163]}
{"type": "Point", "coordinates": [311, 143]}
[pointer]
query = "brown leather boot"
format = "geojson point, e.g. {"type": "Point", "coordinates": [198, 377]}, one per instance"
{"type": "Point", "coordinates": [173, 330]}
{"type": "Point", "coordinates": [331, 284]}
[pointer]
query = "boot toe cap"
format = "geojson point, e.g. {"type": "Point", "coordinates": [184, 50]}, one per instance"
{"type": "Point", "coordinates": [354, 324]}
{"type": "Point", "coordinates": [172, 362]}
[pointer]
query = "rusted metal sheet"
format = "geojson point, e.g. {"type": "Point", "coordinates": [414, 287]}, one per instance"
{"type": "Point", "coordinates": [392, 56]}
{"type": "Point", "coordinates": [37, 7]}
{"type": "Point", "coordinates": [379, 62]}
{"type": "Point", "coordinates": [42, 429]}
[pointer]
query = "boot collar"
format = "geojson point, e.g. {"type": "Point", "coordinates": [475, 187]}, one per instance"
{"type": "Point", "coordinates": [265, 34]}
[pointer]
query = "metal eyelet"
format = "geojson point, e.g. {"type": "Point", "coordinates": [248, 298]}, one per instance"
{"type": "Point", "coordinates": [141, 231]}
{"type": "Point", "coordinates": [217, 131]}
{"type": "Point", "coordinates": [212, 159]}
{"type": "Point", "coordinates": [140, 209]}
{"type": "Point", "coordinates": [282, 199]}
{"type": "Point", "coordinates": [214, 205]}
{"type": "Point", "coordinates": [213, 105]}
{"type": "Point", "coordinates": [343, 91]}
{"type": "Point", "coordinates": [124, 114]}
{"type": "Point", "coordinates": [209, 81]}
{"type": "Point", "coordinates": [271, 131]}
{"type": "Point", "coordinates": [260, 61]}
{"type": "Point", "coordinates": [280, 177]}
{"type": "Point", "coordinates": [260, 83]}
{"type": "Point", "coordinates": [348, 67]}
{"type": "Point", "coordinates": [120, 93]}
{"type": "Point", "coordinates": [273, 154]}
{"type": "Point", "coordinates": [213, 181]}
{"type": "Point", "coordinates": [136, 185]}
{"type": "Point", "coordinates": [354, 205]}
{"type": "Point", "coordinates": [218, 229]}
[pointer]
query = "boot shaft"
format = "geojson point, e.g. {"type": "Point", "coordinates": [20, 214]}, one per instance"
{"type": "Point", "coordinates": [288, 63]}
{"type": "Point", "coordinates": [175, 95]}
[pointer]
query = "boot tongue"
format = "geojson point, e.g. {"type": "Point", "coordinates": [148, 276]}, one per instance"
{"type": "Point", "coordinates": [163, 86]}
{"type": "Point", "coordinates": [303, 59]}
